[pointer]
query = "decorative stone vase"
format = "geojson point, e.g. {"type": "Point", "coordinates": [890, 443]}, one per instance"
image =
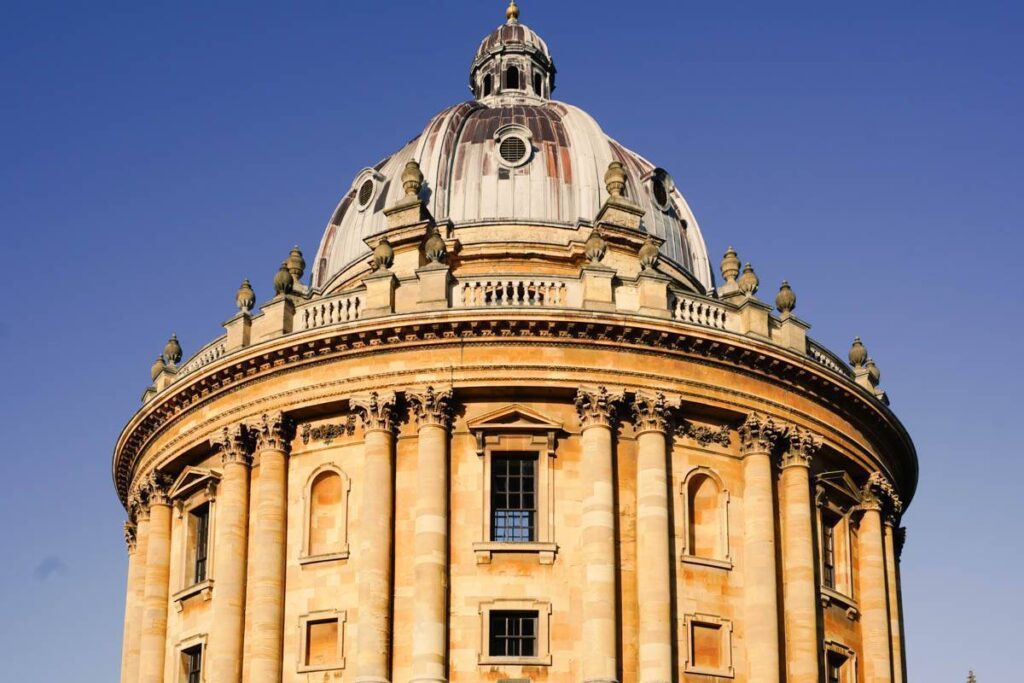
{"type": "Point", "coordinates": [412, 179]}
{"type": "Point", "coordinates": [785, 300]}
{"type": "Point", "coordinates": [858, 353]}
{"type": "Point", "coordinates": [730, 265]}
{"type": "Point", "coordinates": [434, 248]}
{"type": "Point", "coordinates": [649, 254]}
{"type": "Point", "coordinates": [748, 282]}
{"type": "Point", "coordinates": [383, 255]}
{"type": "Point", "coordinates": [615, 179]}
{"type": "Point", "coordinates": [595, 248]}
{"type": "Point", "coordinates": [296, 264]}
{"type": "Point", "coordinates": [245, 298]}
{"type": "Point", "coordinates": [283, 281]}
{"type": "Point", "coordinates": [172, 351]}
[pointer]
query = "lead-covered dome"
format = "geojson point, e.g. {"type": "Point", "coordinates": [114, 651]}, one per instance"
{"type": "Point", "coordinates": [512, 155]}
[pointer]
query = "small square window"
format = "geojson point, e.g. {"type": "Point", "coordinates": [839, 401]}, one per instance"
{"type": "Point", "coordinates": [513, 633]}
{"type": "Point", "coordinates": [322, 641]}
{"type": "Point", "coordinates": [708, 646]}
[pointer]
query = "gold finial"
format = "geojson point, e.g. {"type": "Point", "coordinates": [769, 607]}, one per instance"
{"type": "Point", "coordinates": [512, 13]}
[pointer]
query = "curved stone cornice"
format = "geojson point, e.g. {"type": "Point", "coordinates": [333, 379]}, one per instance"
{"type": "Point", "coordinates": [651, 413]}
{"type": "Point", "coordinates": [637, 334]}
{"type": "Point", "coordinates": [432, 407]}
{"type": "Point", "coordinates": [597, 407]}
{"type": "Point", "coordinates": [235, 444]}
{"type": "Point", "coordinates": [376, 410]}
{"type": "Point", "coordinates": [273, 431]}
{"type": "Point", "coordinates": [801, 447]}
{"type": "Point", "coordinates": [758, 434]}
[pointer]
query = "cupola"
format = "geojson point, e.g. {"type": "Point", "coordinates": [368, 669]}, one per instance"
{"type": "Point", "coordinates": [513, 64]}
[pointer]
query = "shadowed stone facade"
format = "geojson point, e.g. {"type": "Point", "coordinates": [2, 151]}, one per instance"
{"type": "Point", "coordinates": [513, 430]}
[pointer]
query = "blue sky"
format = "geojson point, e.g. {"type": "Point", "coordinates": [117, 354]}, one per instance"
{"type": "Point", "coordinates": [153, 154]}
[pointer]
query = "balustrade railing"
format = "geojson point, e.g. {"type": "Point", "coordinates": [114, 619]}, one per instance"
{"type": "Point", "coordinates": [689, 309]}
{"type": "Point", "coordinates": [824, 357]}
{"type": "Point", "coordinates": [204, 356]}
{"type": "Point", "coordinates": [515, 291]}
{"type": "Point", "coordinates": [328, 311]}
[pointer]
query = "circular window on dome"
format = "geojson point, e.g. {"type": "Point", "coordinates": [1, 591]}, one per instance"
{"type": "Point", "coordinates": [365, 192]}
{"type": "Point", "coordinates": [661, 186]}
{"type": "Point", "coordinates": [513, 149]}
{"type": "Point", "coordinates": [514, 145]}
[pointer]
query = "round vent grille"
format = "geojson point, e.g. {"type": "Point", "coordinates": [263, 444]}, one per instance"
{"type": "Point", "coordinates": [513, 149]}
{"type": "Point", "coordinates": [365, 192]}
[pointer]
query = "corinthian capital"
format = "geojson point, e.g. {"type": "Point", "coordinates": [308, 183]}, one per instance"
{"type": "Point", "coordinates": [137, 504]}
{"type": "Point", "coordinates": [158, 488]}
{"type": "Point", "coordinates": [758, 434]}
{"type": "Point", "coordinates": [129, 535]}
{"type": "Point", "coordinates": [597, 407]}
{"type": "Point", "coordinates": [273, 431]}
{"type": "Point", "coordinates": [880, 494]}
{"type": "Point", "coordinates": [650, 412]}
{"type": "Point", "coordinates": [432, 407]}
{"type": "Point", "coordinates": [802, 445]}
{"type": "Point", "coordinates": [235, 444]}
{"type": "Point", "coordinates": [377, 411]}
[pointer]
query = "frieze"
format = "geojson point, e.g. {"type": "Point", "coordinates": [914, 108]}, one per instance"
{"type": "Point", "coordinates": [705, 436]}
{"type": "Point", "coordinates": [803, 376]}
{"type": "Point", "coordinates": [328, 433]}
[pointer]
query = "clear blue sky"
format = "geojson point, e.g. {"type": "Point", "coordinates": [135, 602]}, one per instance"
{"type": "Point", "coordinates": [154, 153]}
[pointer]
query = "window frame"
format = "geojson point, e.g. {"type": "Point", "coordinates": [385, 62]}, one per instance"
{"type": "Point", "coordinates": [724, 627]}
{"type": "Point", "coordinates": [182, 647]}
{"type": "Point", "coordinates": [504, 459]}
{"type": "Point", "coordinates": [342, 552]}
{"type": "Point", "coordinates": [517, 429]}
{"type": "Point", "coordinates": [836, 501]}
{"type": "Point", "coordinates": [341, 616]}
{"type": "Point", "coordinates": [686, 553]}
{"type": "Point", "coordinates": [542, 655]}
{"type": "Point", "coordinates": [848, 671]}
{"type": "Point", "coordinates": [194, 488]}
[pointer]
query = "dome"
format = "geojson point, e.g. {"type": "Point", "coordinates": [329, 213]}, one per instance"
{"type": "Point", "coordinates": [512, 155]}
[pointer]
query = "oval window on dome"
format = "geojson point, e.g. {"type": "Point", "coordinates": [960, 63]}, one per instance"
{"type": "Point", "coordinates": [660, 187]}
{"type": "Point", "coordinates": [365, 193]}
{"type": "Point", "coordinates": [513, 150]}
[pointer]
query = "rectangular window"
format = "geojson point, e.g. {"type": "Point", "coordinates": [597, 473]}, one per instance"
{"type": "Point", "coordinates": [834, 667]}
{"type": "Point", "coordinates": [514, 497]}
{"type": "Point", "coordinates": [192, 664]}
{"type": "Point", "coordinates": [513, 633]}
{"type": "Point", "coordinates": [321, 642]}
{"type": "Point", "coordinates": [200, 523]}
{"type": "Point", "coordinates": [828, 553]}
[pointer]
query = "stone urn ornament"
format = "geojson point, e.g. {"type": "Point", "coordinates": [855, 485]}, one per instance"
{"type": "Point", "coordinates": [245, 297]}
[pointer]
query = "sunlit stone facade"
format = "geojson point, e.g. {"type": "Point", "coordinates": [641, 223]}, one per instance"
{"type": "Point", "coordinates": [513, 430]}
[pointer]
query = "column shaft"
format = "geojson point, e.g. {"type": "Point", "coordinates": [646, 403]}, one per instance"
{"type": "Point", "coordinates": [431, 561]}
{"type": "Point", "coordinates": [895, 604]}
{"type": "Point", "coordinates": [231, 543]}
{"type": "Point", "coordinates": [152, 645]}
{"type": "Point", "coordinates": [653, 571]}
{"type": "Point", "coordinates": [874, 620]}
{"type": "Point", "coordinates": [801, 602]}
{"type": "Point", "coordinates": [269, 536]}
{"type": "Point", "coordinates": [760, 588]}
{"type": "Point", "coordinates": [598, 534]}
{"type": "Point", "coordinates": [376, 530]}
{"type": "Point", "coordinates": [134, 600]}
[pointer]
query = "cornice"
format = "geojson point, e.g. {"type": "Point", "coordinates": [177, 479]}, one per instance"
{"type": "Point", "coordinates": [634, 333]}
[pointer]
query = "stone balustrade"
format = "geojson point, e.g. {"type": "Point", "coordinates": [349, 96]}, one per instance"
{"type": "Point", "coordinates": [729, 315]}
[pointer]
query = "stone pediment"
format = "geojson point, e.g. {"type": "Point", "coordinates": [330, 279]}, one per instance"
{"type": "Point", "coordinates": [514, 417]}
{"type": "Point", "coordinates": [840, 487]}
{"type": "Point", "coordinates": [191, 480]}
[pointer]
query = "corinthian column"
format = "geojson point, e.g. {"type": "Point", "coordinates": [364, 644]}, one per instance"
{"type": "Point", "coordinates": [231, 540]}
{"type": "Point", "coordinates": [597, 413]}
{"type": "Point", "coordinates": [757, 439]}
{"type": "Point", "coordinates": [152, 645]}
{"type": "Point", "coordinates": [653, 556]}
{"type": "Point", "coordinates": [801, 605]}
{"type": "Point", "coordinates": [273, 434]}
{"type": "Point", "coordinates": [137, 548]}
{"type": "Point", "coordinates": [893, 582]}
{"type": "Point", "coordinates": [874, 604]}
{"type": "Point", "coordinates": [376, 537]}
{"type": "Point", "coordinates": [433, 414]}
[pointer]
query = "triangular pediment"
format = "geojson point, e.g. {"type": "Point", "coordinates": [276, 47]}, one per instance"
{"type": "Point", "coordinates": [192, 479]}
{"type": "Point", "coordinates": [840, 484]}
{"type": "Point", "coordinates": [513, 417]}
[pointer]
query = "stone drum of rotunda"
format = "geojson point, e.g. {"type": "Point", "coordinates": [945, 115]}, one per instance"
{"type": "Point", "coordinates": [511, 428]}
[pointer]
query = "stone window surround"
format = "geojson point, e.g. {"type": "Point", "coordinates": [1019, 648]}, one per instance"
{"type": "Point", "coordinates": [307, 503]}
{"type": "Point", "coordinates": [850, 672]}
{"type": "Point", "coordinates": [543, 653]}
{"type": "Point", "coordinates": [193, 487]}
{"type": "Point", "coordinates": [188, 643]}
{"type": "Point", "coordinates": [725, 628]}
{"type": "Point", "coordinates": [535, 434]}
{"type": "Point", "coordinates": [836, 494]}
{"type": "Point", "coordinates": [685, 553]}
{"type": "Point", "coordinates": [341, 616]}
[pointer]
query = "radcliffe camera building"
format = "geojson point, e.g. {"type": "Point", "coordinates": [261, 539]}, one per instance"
{"type": "Point", "coordinates": [512, 427]}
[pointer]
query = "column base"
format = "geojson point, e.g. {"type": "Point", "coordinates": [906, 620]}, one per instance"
{"type": "Point", "coordinates": [370, 679]}
{"type": "Point", "coordinates": [428, 679]}
{"type": "Point", "coordinates": [600, 680]}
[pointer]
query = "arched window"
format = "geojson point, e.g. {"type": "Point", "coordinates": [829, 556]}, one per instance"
{"type": "Point", "coordinates": [326, 516]}
{"type": "Point", "coordinates": [706, 524]}
{"type": "Point", "coordinates": [512, 78]}
{"type": "Point", "coordinates": [488, 85]}
{"type": "Point", "coordinates": [538, 83]}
